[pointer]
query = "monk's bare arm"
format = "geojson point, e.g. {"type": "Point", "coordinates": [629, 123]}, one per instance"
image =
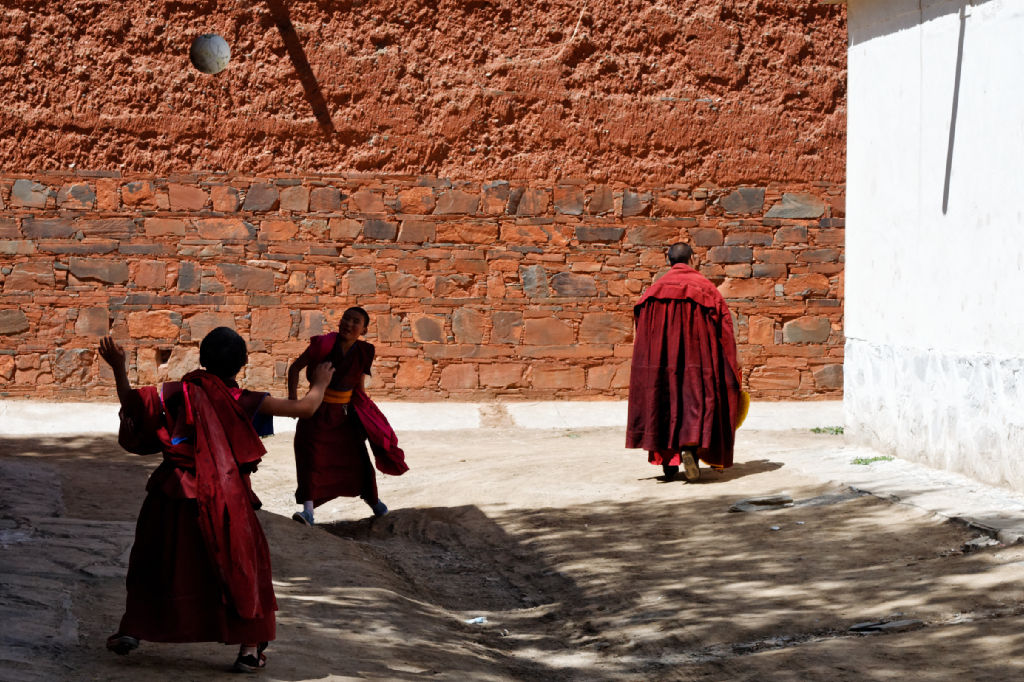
{"type": "Point", "coordinates": [294, 372]}
{"type": "Point", "coordinates": [114, 356]}
{"type": "Point", "coordinates": [282, 407]}
{"type": "Point", "coordinates": [361, 386]}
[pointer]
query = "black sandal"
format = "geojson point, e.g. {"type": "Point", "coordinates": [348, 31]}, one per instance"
{"type": "Point", "coordinates": [250, 663]}
{"type": "Point", "coordinates": [121, 643]}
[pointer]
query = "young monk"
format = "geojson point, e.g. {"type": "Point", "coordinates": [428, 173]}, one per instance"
{"type": "Point", "coordinates": [199, 569]}
{"type": "Point", "coordinates": [330, 449]}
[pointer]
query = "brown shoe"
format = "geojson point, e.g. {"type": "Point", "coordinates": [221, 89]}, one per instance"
{"type": "Point", "coordinates": [691, 471]}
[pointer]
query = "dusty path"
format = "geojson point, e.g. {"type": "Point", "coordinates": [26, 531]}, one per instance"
{"type": "Point", "coordinates": [583, 565]}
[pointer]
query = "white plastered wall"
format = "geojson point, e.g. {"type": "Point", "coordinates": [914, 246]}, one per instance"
{"type": "Point", "coordinates": [934, 367]}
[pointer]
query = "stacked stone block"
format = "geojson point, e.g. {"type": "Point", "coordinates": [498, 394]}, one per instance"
{"type": "Point", "coordinates": [477, 290]}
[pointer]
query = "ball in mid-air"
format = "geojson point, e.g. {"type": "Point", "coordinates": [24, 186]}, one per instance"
{"type": "Point", "coordinates": [210, 53]}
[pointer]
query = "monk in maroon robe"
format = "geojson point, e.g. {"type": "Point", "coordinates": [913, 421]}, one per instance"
{"type": "Point", "coordinates": [331, 459]}
{"type": "Point", "coordinates": [684, 382]}
{"type": "Point", "coordinates": [199, 568]}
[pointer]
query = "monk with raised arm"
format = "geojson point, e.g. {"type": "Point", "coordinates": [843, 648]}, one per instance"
{"type": "Point", "coordinates": [199, 569]}
{"type": "Point", "coordinates": [331, 459]}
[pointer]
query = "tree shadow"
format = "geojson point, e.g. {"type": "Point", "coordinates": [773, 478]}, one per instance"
{"type": "Point", "coordinates": [715, 585]}
{"type": "Point", "coordinates": [608, 590]}
{"type": "Point", "coordinates": [418, 592]}
{"type": "Point", "coordinates": [629, 588]}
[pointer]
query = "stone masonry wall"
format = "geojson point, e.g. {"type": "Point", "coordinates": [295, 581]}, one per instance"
{"type": "Point", "coordinates": [496, 182]}
{"type": "Point", "coordinates": [477, 289]}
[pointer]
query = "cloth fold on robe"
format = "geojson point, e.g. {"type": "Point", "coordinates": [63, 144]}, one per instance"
{"type": "Point", "coordinates": [389, 458]}
{"type": "Point", "coordinates": [684, 378]}
{"type": "Point", "coordinates": [200, 565]}
{"type": "Point", "coordinates": [225, 439]}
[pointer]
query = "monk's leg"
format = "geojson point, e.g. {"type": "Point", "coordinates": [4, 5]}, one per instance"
{"type": "Point", "coordinates": [305, 516]}
{"type": "Point", "coordinates": [691, 472]}
{"type": "Point", "coordinates": [368, 487]}
{"type": "Point", "coordinates": [250, 658]}
{"type": "Point", "coordinates": [304, 445]}
{"type": "Point", "coordinates": [669, 461]}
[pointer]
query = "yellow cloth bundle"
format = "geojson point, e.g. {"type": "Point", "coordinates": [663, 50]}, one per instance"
{"type": "Point", "coordinates": [744, 407]}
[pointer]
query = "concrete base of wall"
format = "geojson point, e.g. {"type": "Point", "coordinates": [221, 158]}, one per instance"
{"type": "Point", "coordinates": [27, 417]}
{"type": "Point", "coordinates": [960, 413]}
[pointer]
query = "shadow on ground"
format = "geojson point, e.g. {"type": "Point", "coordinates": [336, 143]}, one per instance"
{"type": "Point", "coordinates": [667, 589]}
{"type": "Point", "coordinates": [736, 471]}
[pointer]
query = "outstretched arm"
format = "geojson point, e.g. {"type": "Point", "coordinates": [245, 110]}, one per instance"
{"type": "Point", "coordinates": [282, 407]}
{"type": "Point", "coordinates": [114, 355]}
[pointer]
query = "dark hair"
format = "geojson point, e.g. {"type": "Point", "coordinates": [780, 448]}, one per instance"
{"type": "Point", "coordinates": [680, 252]}
{"type": "Point", "coordinates": [223, 352]}
{"type": "Point", "coordinates": [366, 315]}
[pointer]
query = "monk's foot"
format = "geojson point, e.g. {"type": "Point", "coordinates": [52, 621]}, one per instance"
{"type": "Point", "coordinates": [691, 471]}
{"type": "Point", "coordinates": [670, 472]}
{"type": "Point", "coordinates": [250, 659]}
{"type": "Point", "coordinates": [378, 507]}
{"type": "Point", "coordinates": [304, 517]}
{"type": "Point", "coordinates": [121, 643]}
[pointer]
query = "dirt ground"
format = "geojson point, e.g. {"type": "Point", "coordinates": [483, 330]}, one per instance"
{"type": "Point", "coordinates": [583, 565]}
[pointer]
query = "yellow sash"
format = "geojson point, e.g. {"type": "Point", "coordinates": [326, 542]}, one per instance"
{"type": "Point", "coordinates": [337, 397]}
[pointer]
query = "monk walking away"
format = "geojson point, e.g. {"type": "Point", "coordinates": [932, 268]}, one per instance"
{"type": "Point", "coordinates": [684, 382]}
{"type": "Point", "coordinates": [331, 459]}
{"type": "Point", "coordinates": [199, 569]}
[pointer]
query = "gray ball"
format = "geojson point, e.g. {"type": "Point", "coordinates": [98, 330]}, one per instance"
{"type": "Point", "coordinates": [210, 53]}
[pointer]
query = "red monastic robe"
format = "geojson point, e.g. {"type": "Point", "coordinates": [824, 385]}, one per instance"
{"type": "Point", "coordinates": [330, 447]}
{"type": "Point", "coordinates": [684, 382]}
{"type": "Point", "coordinates": [200, 566]}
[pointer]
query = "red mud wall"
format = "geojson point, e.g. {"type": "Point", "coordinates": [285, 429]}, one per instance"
{"type": "Point", "coordinates": [495, 183]}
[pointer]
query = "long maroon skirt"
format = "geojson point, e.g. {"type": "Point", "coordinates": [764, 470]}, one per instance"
{"type": "Point", "coordinates": [174, 592]}
{"type": "Point", "coordinates": [682, 391]}
{"type": "Point", "coordinates": [331, 459]}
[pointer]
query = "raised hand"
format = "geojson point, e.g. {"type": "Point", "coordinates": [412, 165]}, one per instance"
{"type": "Point", "coordinates": [322, 374]}
{"type": "Point", "coordinates": [112, 353]}
{"type": "Point", "coordinates": [115, 357]}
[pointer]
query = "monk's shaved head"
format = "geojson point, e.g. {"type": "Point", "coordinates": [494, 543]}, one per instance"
{"type": "Point", "coordinates": [223, 352]}
{"type": "Point", "coordinates": [680, 253]}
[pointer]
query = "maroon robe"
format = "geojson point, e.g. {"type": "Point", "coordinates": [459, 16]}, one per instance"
{"type": "Point", "coordinates": [684, 381]}
{"type": "Point", "coordinates": [199, 569]}
{"type": "Point", "coordinates": [331, 459]}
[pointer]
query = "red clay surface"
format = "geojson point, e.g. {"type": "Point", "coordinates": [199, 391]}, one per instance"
{"type": "Point", "coordinates": [632, 91]}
